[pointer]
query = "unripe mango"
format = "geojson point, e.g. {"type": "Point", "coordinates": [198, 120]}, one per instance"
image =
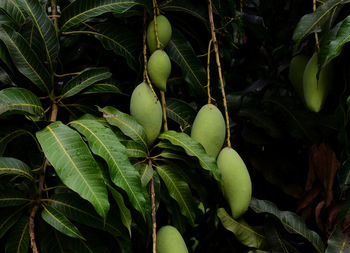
{"type": "Point", "coordinates": [147, 111]}
{"type": "Point", "coordinates": [169, 240]}
{"type": "Point", "coordinates": [316, 91]}
{"type": "Point", "coordinates": [209, 129]}
{"type": "Point", "coordinates": [237, 185]}
{"type": "Point", "coordinates": [159, 68]}
{"type": "Point", "coordinates": [296, 73]}
{"type": "Point", "coordinates": [164, 33]}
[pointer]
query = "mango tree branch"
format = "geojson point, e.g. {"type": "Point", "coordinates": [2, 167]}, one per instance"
{"type": "Point", "coordinates": [154, 218]}
{"type": "Point", "coordinates": [216, 48]}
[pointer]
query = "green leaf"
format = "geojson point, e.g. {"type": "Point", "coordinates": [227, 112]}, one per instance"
{"type": "Point", "coordinates": [243, 232]}
{"type": "Point", "coordinates": [193, 148]}
{"type": "Point", "coordinates": [44, 26]}
{"type": "Point", "coordinates": [332, 48]}
{"type": "Point", "coordinates": [20, 101]}
{"type": "Point", "coordinates": [181, 52]}
{"type": "Point", "coordinates": [80, 211]}
{"type": "Point", "coordinates": [125, 213]}
{"type": "Point", "coordinates": [103, 87]}
{"type": "Point", "coordinates": [178, 190]}
{"type": "Point", "coordinates": [80, 10]}
{"type": "Point", "coordinates": [13, 166]}
{"type": "Point", "coordinates": [13, 9]}
{"type": "Point", "coordinates": [11, 197]}
{"type": "Point", "coordinates": [291, 221]}
{"type": "Point", "coordinates": [122, 41]}
{"type": "Point", "coordinates": [74, 164]}
{"type": "Point", "coordinates": [6, 19]}
{"type": "Point", "coordinates": [145, 171]}
{"type": "Point", "coordinates": [312, 22]}
{"type": "Point", "coordinates": [338, 241]}
{"type": "Point", "coordinates": [104, 143]}
{"type": "Point", "coordinates": [169, 154]}
{"type": "Point", "coordinates": [18, 239]}
{"type": "Point", "coordinates": [135, 149]}
{"type": "Point", "coordinates": [344, 176]}
{"type": "Point", "coordinates": [8, 137]}
{"type": "Point", "coordinates": [194, 8]}
{"type": "Point", "coordinates": [25, 59]}
{"type": "Point", "coordinates": [87, 78]}
{"type": "Point", "coordinates": [8, 217]}
{"type": "Point", "coordinates": [60, 222]}
{"type": "Point", "coordinates": [181, 112]}
{"type": "Point", "coordinates": [126, 123]}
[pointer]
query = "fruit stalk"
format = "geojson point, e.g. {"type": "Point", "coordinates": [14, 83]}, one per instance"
{"type": "Point", "coordinates": [165, 121]}
{"type": "Point", "coordinates": [208, 71]}
{"type": "Point", "coordinates": [216, 48]}
{"type": "Point", "coordinates": [317, 44]}
{"type": "Point", "coordinates": [145, 73]}
{"type": "Point", "coordinates": [155, 13]}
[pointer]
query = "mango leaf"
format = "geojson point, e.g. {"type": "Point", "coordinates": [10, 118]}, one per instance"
{"type": "Point", "coordinates": [338, 241]}
{"type": "Point", "coordinates": [291, 221]}
{"type": "Point", "coordinates": [6, 19]}
{"type": "Point", "coordinates": [11, 197]}
{"type": "Point", "coordinates": [344, 176]}
{"type": "Point", "coordinates": [181, 112]}
{"type": "Point", "coordinates": [169, 154]}
{"type": "Point", "coordinates": [181, 52]}
{"type": "Point", "coordinates": [331, 49]}
{"type": "Point", "coordinates": [13, 166]}
{"type": "Point", "coordinates": [80, 211]}
{"type": "Point", "coordinates": [145, 171]}
{"type": "Point", "coordinates": [193, 148]}
{"type": "Point", "coordinates": [80, 10]}
{"type": "Point", "coordinates": [167, 145]}
{"type": "Point", "coordinates": [13, 9]}
{"type": "Point", "coordinates": [87, 78]}
{"type": "Point", "coordinates": [125, 213]}
{"type": "Point", "coordinates": [312, 22]}
{"type": "Point", "coordinates": [19, 100]}
{"type": "Point", "coordinates": [18, 239]}
{"type": "Point", "coordinates": [8, 137]}
{"type": "Point", "coordinates": [178, 190]}
{"type": "Point", "coordinates": [103, 87]}
{"type": "Point", "coordinates": [60, 222]}
{"type": "Point", "coordinates": [44, 27]}
{"type": "Point", "coordinates": [104, 143]}
{"type": "Point", "coordinates": [243, 232]}
{"type": "Point", "coordinates": [8, 217]}
{"type": "Point", "coordinates": [126, 123]}
{"type": "Point", "coordinates": [134, 149]}
{"type": "Point", "coordinates": [74, 164]}
{"type": "Point", "coordinates": [122, 41]}
{"type": "Point", "coordinates": [195, 8]}
{"type": "Point", "coordinates": [25, 59]}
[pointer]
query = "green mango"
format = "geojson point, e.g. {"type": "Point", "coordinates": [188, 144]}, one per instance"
{"type": "Point", "coordinates": [237, 186]}
{"type": "Point", "coordinates": [147, 111]}
{"type": "Point", "coordinates": [169, 240]}
{"type": "Point", "coordinates": [296, 73]}
{"type": "Point", "coordinates": [164, 33]}
{"type": "Point", "coordinates": [159, 68]}
{"type": "Point", "coordinates": [209, 129]}
{"type": "Point", "coordinates": [316, 91]}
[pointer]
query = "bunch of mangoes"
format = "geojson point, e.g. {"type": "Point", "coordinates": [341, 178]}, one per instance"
{"type": "Point", "coordinates": [312, 84]}
{"type": "Point", "coordinates": [144, 105]}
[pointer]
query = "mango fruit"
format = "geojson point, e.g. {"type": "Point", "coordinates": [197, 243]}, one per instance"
{"type": "Point", "coordinates": [209, 129]}
{"type": "Point", "coordinates": [316, 91]}
{"type": "Point", "coordinates": [164, 33]}
{"type": "Point", "coordinates": [296, 73]}
{"type": "Point", "coordinates": [147, 111]}
{"type": "Point", "coordinates": [159, 68]}
{"type": "Point", "coordinates": [237, 186]}
{"type": "Point", "coordinates": [169, 240]}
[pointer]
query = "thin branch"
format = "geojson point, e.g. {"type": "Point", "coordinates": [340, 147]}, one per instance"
{"type": "Point", "coordinates": [154, 217]}
{"type": "Point", "coordinates": [212, 28]}
{"type": "Point", "coordinates": [54, 14]}
{"type": "Point", "coordinates": [317, 43]}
